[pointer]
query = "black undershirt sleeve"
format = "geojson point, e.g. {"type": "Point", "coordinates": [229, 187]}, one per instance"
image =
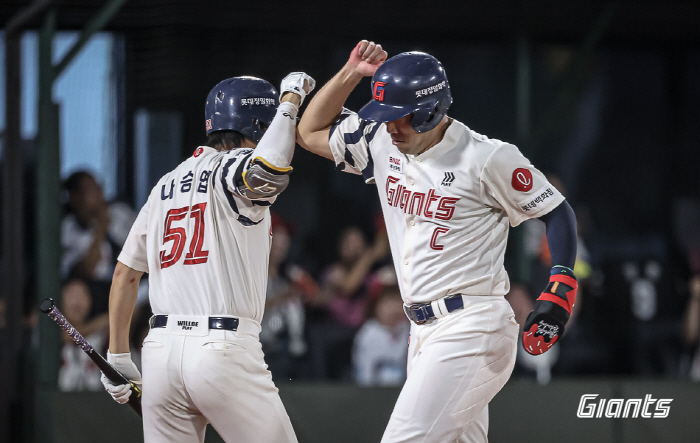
{"type": "Point", "coordinates": [561, 235]}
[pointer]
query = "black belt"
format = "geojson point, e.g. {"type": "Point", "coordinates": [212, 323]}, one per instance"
{"type": "Point", "coordinates": [422, 313]}
{"type": "Point", "coordinates": [227, 323]}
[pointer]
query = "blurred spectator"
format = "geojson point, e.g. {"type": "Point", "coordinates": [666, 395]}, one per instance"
{"type": "Point", "coordinates": [381, 344]}
{"type": "Point", "coordinates": [686, 219]}
{"type": "Point", "coordinates": [691, 325]}
{"type": "Point", "coordinates": [342, 301]}
{"type": "Point", "coordinates": [646, 306]}
{"type": "Point", "coordinates": [288, 288]}
{"type": "Point", "coordinates": [92, 234]}
{"type": "Point", "coordinates": [77, 371]}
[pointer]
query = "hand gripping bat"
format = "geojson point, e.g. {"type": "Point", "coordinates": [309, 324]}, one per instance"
{"type": "Point", "coordinates": [49, 308]}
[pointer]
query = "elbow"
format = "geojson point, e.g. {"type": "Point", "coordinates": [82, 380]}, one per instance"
{"type": "Point", "coordinates": [304, 134]}
{"type": "Point", "coordinates": [124, 276]}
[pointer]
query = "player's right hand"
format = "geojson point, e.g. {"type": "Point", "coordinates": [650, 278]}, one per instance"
{"type": "Point", "coordinates": [366, 57]}
{"type": "Point", "coordinates": [552, 310]}
{"type": "Point", "coordinates": [123, 364]}
{"type": "Point", "coordinates": [299, 83]}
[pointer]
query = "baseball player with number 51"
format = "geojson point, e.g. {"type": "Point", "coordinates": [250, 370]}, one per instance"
{"type": "Point", "coordinates": [204, 238]}
{"type": "Point", "coordinates": [448, 195]}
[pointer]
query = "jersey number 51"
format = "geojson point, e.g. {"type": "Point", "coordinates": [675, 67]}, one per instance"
{"type": "Point", "coordinates": [178, 236]}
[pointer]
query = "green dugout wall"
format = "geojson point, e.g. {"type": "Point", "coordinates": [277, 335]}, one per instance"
{"type": "Point", "coordinates": [522, 412]}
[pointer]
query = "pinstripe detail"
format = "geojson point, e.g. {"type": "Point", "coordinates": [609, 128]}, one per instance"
{"type": "Point", "coordinates": [238, 176]}
{"type": "Point", "coordinates": [227, 191]}
{"type": "Point", "coordinates": [370, 135]}
{"type": "Point", "coordinates": [368, 172]}
{"type": "Point", "coordinates": [351, 138]}
{"type": "Point", "coordinates": [242, 219]}
{"type": "Point", "coordinates": [342, 117]}
{"type": "Point", "coordinates": [348, 158]}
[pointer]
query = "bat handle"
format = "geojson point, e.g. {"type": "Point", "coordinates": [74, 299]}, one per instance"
{"type": "Point", "coordinates": [49, 308]}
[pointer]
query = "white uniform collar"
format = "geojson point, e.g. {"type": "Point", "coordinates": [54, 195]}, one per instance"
{"type": "Point", "coordinates": [449, 140]}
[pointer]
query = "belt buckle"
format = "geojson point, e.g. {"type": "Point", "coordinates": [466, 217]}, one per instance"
{"type": "Point", "coordinates": [418, 313]}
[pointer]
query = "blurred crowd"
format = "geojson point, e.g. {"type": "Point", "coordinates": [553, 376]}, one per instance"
{"type": "Point", "coordinates": [637, 311]}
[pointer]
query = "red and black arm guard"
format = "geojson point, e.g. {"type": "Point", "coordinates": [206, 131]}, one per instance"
{"type": "Point", "coordinates": [546, 322]}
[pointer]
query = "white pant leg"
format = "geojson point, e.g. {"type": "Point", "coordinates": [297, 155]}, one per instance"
{"type": "Point", "coordinates": [168, 413]}
{"type": "Point", "coordinates": [478, 429]}
{"type": "Point", "coordinates": [227, 379]}
{"type": "Point", "coordinates": [456, 366]}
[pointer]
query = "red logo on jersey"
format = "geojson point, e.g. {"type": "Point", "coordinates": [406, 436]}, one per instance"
{"type": "Point", "coordinates": [198, 151]}
{"type": "Point", "coordinates": [208, 124]}
{"type": "Point", "coordinates": [379, 91]}
{"type": "Point", "coordinates": [522, 180]}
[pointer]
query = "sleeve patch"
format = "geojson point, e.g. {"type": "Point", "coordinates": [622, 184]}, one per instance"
{"type": "Point", "coordinates": [522, 180]}
{"type": "Point", "coordinates": [534, 203]}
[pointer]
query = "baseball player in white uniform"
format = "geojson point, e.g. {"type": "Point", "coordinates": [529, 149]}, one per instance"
{"type": "Point", "coordinates": [204, 238]}
{"type": "Point", "coordinates": [448, 195]}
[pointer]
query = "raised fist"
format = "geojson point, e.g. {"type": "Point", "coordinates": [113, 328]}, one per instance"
{"type": "Point", "coordinates": [366, 57]}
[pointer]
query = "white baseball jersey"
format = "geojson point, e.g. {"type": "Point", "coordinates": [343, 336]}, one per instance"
{"type": "Point", "coordinates": [447, 210]}
{"type": "Point", "coordinates": [205, 247]}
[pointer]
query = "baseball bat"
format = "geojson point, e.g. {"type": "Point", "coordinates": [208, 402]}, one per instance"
{"type": "Point", "coordinates": [49, 308]}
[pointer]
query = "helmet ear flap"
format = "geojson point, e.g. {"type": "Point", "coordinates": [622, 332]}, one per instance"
{"type": "Point", "coordinates": [426, 119]}
{"type": "Point", "coordinates": [420, 119]}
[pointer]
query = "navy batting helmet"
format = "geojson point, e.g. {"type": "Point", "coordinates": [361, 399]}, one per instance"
{"type": "Point", "coordinates": [243, 104]}
{"type": "Point", "coordinates": [409, 83]}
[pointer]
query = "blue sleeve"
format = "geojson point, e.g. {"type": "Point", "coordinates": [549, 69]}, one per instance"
{"type": "Point", "coordinates": [561, 235]}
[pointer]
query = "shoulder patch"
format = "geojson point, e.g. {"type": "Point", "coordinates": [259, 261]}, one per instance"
{"type": "Point", "coordinates": [522, 180]}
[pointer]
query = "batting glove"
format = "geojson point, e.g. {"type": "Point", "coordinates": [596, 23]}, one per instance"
{"type": "Point", "coordinates": [123, 364]}
{"type": "Point", "coordinates": [294, 82]}
{"type": "Point", "coordinates": [546, 322]}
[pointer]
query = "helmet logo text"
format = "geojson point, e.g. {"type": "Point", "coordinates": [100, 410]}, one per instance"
{"type": "Point", "coordinates": [258, 101]}
{"type": "Point", "coordinates": [431, 89]}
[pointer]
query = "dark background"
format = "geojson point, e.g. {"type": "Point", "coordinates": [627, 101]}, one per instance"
{"type": "Point", "coordinates": [612, 105]}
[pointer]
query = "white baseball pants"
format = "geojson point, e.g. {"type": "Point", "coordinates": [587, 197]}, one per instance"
{"type": "Point", "coordinates": [218, 378]}
{"type": "Point", "coordinates": [456, 365]}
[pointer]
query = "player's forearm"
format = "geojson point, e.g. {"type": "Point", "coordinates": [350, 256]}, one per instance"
{"type": "Point", "coordinates": [277, 145]}
{"type": "Point", "coordinates": [561, 235]}
{"type": "Point", "coordinates": [325, 107]}
{"type": "Point", "coordinates": [122, 299]}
